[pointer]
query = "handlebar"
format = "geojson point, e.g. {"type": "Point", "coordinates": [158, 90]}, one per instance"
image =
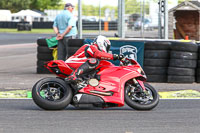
{"type": "Point", "coordinates": [126, 61]}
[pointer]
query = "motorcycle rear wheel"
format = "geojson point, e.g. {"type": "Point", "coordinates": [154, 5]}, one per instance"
{"type": "Point", "coordinates": [134, 100]}
{"type": "Point", "coordinates": [52, 94]}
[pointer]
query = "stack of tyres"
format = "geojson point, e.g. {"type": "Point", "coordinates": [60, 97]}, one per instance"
{"type": "Point", "coordinates": [183, 62]}
{"type": "Point", "coordinates": [74, 45]}
{"type": "Point", "coordinates": [44, 54]}
{"type": "Point", "coordinates": [198, 65]}
{"type": "Point", "coordinates": [156, 60]}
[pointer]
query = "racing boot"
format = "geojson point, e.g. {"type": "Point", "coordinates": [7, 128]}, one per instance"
{"type": "Point", "coordinates": [73, 78]}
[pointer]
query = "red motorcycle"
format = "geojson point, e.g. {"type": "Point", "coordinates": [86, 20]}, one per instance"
{"type": "Point", "coordinates": [107, 86]}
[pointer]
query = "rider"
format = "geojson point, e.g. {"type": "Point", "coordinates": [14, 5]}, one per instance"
{"type": "Point", "coordinates": [87, 57]}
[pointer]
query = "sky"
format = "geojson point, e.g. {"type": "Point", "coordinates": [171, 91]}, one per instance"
{"type": "Point", "coordinates": [94, 2]}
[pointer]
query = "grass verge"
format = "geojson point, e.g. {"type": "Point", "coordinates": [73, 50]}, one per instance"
{"type": "Point", "coordinates": [39, 31]}
{"type": "Point", "coordinates": [183, 94]}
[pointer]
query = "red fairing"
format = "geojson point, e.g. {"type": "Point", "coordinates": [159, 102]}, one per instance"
{"type": "Point", "coordinates": [113, 78]}
{"type": "Point", "coordinates": [59, 65]}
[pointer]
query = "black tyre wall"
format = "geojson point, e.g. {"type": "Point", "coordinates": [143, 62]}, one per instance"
{"type": "Point", "coordinates": [75, 42]}
{"type": "Point", "coordinates": [184, 46]}
{"type": "Point", "coordinates": [44, 54]}
{"type": "Point", "coordinates": [43, 49]}
{"type": "Point", "coordinates": [157, 54]}
{"type": "Point", "coordinates": [183, 62]}
{"type": "Point", "coordinates": [157, 45]}
{"type": "Point", "coordinates": [183, 55]}
{"type": "Point", "coordinates": [156, 60]}
{"type": "Point", "coordinates": [42, 42]}
{"type": "Point", "coordinates": [179, 57]}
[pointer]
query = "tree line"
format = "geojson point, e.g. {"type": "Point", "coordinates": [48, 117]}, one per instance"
{"type": "Point", "coordinates": [132, 6]}
{"type": "Point", "coordinates": [17, 5]}
{"type": "Point", "coordinates": [41, 5]}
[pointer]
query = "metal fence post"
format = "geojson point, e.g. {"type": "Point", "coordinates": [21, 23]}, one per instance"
{"type": "Point", "coordinates": [142, 13]}
{"type": "Point", "coordinates": [159, 20]}
{"type": "Point", "coordinates": [99, 17]}
{"type": "Point", "coordinates": [121, 20]}
{"type": "Point", "coordinates": [166, 19]}
{"type": "Point", "coordinates": [79, 19]}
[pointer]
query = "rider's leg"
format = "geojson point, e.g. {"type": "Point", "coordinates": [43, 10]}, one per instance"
{"type": "Point", "coordinates": [86, 67]}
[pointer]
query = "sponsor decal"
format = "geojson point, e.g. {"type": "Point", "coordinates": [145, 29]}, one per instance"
{"type": "Point", "coordinates": [129, 51]}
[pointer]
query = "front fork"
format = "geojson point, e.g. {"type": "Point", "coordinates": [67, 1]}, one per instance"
{"type": "Point", "coordinates": [139, 84]}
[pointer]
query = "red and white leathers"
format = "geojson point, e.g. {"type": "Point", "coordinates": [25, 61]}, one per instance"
{"type": "Point", "coordinates": [86, 52]}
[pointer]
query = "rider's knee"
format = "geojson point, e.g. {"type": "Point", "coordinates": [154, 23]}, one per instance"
{"type": "Point", "coordinates": [93, 62]}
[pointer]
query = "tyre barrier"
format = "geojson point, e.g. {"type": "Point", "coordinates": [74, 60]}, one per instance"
{"type": "Point", "coordinates": [44, 54]}
{"type": "Point", "coordinates": [156, 60]}
{"type": "Point", "coordinates": [183, 62]}
{"type": "Point", "coordinates": [198, 65]}
{"type": "Point", "coordinates": [172, 62]}
{"type": "Point", "coordinates": [74, 45]}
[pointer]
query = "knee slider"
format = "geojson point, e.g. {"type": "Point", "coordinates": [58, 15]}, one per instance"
{"type": "Point", "coordinates": [93, 62]}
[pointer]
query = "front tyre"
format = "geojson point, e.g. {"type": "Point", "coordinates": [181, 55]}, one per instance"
{"type": "Point", "coordinates": [141, 101]}
{"type": "Point", "coordinates": [52, 94]}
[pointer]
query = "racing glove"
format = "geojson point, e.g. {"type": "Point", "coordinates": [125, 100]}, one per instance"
{"type": "Point", "coordinates": [118, 57]}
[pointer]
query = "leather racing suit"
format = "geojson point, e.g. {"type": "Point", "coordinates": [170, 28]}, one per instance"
{"type": "Point", "coordinates": [86, 59]}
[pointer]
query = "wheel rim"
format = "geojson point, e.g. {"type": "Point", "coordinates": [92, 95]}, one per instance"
{"type": "Point", "coordinates": [52, 91]}
{"type": "Point", "coordinates": [145, 98]}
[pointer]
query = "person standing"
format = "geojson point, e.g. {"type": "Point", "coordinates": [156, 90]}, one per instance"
{"type": "Point", "coordinates": [65, 28]}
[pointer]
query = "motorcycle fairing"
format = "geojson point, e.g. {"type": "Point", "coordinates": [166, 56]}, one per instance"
{"type": "Point", "coordinates": [113, 79]}
{"type": "Point", "coordinates": [61, 66]}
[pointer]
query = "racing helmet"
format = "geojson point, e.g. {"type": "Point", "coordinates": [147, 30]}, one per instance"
{"type": "Point", "coordinates": [102, 43]}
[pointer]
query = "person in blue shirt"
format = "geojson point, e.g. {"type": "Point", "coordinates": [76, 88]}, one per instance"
{"type": "Point", "coordinates": [65, 28]}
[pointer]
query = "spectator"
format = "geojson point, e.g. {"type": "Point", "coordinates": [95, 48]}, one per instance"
{"type": "Point", "coordinates": [65, 28]}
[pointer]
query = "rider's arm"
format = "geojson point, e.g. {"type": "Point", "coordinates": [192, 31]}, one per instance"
{"type": "Point", "coordinates": [95, 53]}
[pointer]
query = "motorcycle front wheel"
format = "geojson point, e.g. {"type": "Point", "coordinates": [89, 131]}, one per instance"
{"type": "Point", "coordinates": [52, 94]}
{"type": "Point", "coordinates": [147, 100]}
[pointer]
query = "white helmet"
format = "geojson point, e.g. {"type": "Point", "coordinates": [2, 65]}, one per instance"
{"type": "Point", "coordinates": [102, 43]}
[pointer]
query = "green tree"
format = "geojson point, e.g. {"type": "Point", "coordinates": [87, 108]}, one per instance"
{"type": "Point", "coordinates": [134, 6]}
{"type": "Point", "coordinates": [91, 10]}
{"type": "Point", "coordinates": [46, 4]}
{"type": "Point", "coordinates": [179, 1]}
{"type": "Point", "coordinates": [14, 5]}
{"type": "Point", "coordinates": [17, 5]}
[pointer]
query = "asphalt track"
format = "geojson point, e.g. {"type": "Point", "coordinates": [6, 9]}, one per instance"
{"type": "Point", "coordinates": [170, 116]}
{"type": "Point", "coordinates": [15, 38]}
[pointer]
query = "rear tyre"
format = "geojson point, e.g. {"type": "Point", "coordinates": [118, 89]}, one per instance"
{"type": "Point", "coordinates": [136, 101]}
{"type": "Point", "coordinates": [52, 94]}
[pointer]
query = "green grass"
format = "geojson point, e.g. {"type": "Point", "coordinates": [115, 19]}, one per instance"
{"type": "Point", "coordinates": [163, 95]}
{"type": "Point", "coordinates": [45, 31]}
{"type": "Point", "coordinates": [50, 31]}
